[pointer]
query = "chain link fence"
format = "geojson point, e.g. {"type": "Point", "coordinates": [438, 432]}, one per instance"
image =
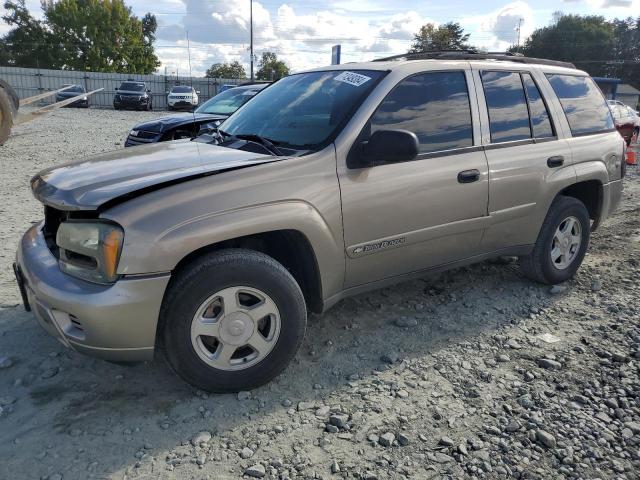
{"type": "Point", "coordinates": [32, 81]}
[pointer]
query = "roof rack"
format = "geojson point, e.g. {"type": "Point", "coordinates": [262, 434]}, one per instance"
{"type": "Point", "coordinates": [476, 55]}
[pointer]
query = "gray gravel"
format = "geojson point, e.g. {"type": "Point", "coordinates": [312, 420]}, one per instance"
{"type": "Point", "coordinates": [475, 373]}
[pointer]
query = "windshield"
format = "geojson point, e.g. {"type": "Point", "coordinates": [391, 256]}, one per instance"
{"type": "Point", "coordinates": [305, 110]}
{"type": "Point", "coordinates": [132, 87]}
{"type": "Point", "coordinates": [181, 90]}
{"type": "Point", "coordinates": [227, 102]}
{"type": "Point", "coordinates": [74, 89]}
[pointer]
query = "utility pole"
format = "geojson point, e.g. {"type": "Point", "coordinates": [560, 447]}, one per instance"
{"type": "Point", "coordinates": [519, 28]}
{"type": "Point", "coordinates": [251, 34]}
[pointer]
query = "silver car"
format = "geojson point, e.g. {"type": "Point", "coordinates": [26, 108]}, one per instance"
{"type": "Point", "coordinates": [329, 183]}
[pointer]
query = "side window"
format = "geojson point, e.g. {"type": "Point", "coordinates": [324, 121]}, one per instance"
{"type": "Point", "coordinates": [435, 106]}
{"type": "Point", "coordinates": [583, 103]}
{"type": "Point", "coordinates": [507, 105]}
{"type": "Point", "coordinates": [540, 120]}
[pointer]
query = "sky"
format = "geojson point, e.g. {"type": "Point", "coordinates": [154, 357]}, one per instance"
{"type": "Point", "coordinates": [301, 32]}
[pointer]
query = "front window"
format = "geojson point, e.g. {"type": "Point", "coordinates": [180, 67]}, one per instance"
{"type": "Point", "coordinates": [434, 105]}
{"type": "Point", "coordinates": [181, 90]}
{"type": "Point", "coordinates": [132, 87]}
{"type": "Point", "coordinates": [305, 110]}
{"type": "Point", "coordinates": [227, 102]}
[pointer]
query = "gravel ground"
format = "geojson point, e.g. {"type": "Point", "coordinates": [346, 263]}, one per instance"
{"type": "Point", "coordinates": [475, 373]}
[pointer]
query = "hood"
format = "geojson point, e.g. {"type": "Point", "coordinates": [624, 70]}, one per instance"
{"type": "Point", "coordinates": [90, 183]}
{"type": "Point", "coordinates": [161, 125]}
{"type": "Point", "coordinates": [138, 93]}
{"type": "Point", "coordinates": [69, 94]}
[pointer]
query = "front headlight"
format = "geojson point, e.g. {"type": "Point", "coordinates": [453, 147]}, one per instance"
{"type": "Point", "coordinates": [90, 250]}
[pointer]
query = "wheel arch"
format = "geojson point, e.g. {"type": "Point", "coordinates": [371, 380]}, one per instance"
{"type": "Point", "coordinates": [591, 194]}
{"type": "Point", "coordinates": [289, 247]}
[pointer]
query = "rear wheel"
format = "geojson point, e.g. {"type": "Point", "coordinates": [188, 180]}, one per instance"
{"type": "Point", "coordinates": [232, 320]}
{"type": "Point", "coordinates": [562, 243]}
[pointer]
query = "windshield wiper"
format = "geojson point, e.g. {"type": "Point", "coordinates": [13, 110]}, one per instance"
{"type": "Point", "coordinates": [265, 142]}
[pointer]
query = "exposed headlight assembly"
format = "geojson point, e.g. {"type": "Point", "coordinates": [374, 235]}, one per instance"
{"type": "Point", "coordinates": [90, 250]}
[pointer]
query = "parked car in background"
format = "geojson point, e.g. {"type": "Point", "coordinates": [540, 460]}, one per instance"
{"type": "Point", "coordinates": [327, 184]}
{"type": "Point", "coordinates": [207, 116]}
{"type": "Point", "coordinates": [73, 91]}
{"type": "Point", "coordinates": [133, 95]}
{"type": "Point", "coordinates": [624, 120]}
{"type": "Point", "coordinates": [182, 97]}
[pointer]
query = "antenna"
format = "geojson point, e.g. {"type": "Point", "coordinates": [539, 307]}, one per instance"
{"type": "Point", "coordinates": [518, 28]}
{"type": "Point", "coordinates": [251, 35]}
{"type": "Point", "coordinates": [193, 111]}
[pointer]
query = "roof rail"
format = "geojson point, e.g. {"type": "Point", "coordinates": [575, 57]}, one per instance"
{"type": "Point", "coordinates": [475, 55]}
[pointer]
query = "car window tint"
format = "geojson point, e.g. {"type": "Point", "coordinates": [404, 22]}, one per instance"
{"type": "Point", "coordinates": [540, 119]}
{"type": "Point", "coordinates": [583, 103]}
{"type": "Point", "coordinates": [435, 106]}
{"type": "Point", "coordinates": [507, 105]}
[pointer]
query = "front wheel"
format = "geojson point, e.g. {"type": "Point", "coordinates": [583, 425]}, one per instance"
{"type": "Point", "coordinates": [232, 320]}
{"type": "Point", "coordinates": [561, 244]}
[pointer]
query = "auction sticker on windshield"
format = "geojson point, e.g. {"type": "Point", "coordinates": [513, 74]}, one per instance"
{"type": "Point", "coordinates": [352, 78]}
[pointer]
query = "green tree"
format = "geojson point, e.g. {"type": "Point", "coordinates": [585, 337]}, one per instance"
{"type": "Point", "coordinates": [29, 43]}
{"type": "Point", "coordinates": [449, 36]}
{"type": "Point", "coordinates": [626, 51]}
{"type": "Point", "coordinates": [226, 70]}
{"type": "Point", "coordinates": [586, 41]}
{"type": "Point", "coordinates": [96, 35]}
{"type": "Point", "coordinates": [270, 68]}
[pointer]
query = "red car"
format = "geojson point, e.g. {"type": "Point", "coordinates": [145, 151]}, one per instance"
{"type": "Point", "coordinates": [624, 120]}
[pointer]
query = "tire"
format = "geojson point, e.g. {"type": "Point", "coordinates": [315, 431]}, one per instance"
{"type": "Point", "coordinates": [6, 116]}
{"type": "Point", "coordinates": [13, 95]}
{"type": "Point", "coordinates": [539, 265]}
{"type": "Point", "coordinates": [187, 300]}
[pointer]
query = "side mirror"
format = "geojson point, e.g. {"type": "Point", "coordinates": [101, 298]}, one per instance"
{"type": "Point", "coordinates": [148, 90]}
{"type": "Point", "coordinates": [384, 146]}
{"type": "Point", "coordinates": [117, 89]}
{"type": "Point", "coordinates": [197, 92]}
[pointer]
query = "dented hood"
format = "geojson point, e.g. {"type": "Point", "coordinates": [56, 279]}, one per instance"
{"type": "Point", "coordinates": [93, 182]}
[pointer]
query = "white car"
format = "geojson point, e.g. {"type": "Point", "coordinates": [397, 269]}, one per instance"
{"type": "Point", "coordinates": [182, 96]}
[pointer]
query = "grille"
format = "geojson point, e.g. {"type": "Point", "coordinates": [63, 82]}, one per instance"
{"type": "Point", "coordinates": [52, 220]}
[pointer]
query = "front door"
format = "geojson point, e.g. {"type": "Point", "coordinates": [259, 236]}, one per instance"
{"type": "Point", "coordinates": [404, 217]}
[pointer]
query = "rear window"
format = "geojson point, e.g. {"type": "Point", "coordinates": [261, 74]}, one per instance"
{"type": "Point", "coordinates": [507, 105]}
{"type": "Point", "coordinates": [583, 103]}
{"type": "Point", "coordinates": [540, 120]}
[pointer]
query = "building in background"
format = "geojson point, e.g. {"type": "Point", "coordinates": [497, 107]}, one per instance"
{"type": "Point", "coordinates": [628, 95]}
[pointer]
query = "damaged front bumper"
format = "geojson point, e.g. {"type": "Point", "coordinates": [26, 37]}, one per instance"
{"type": "Point", "coordinates": [114, 322]}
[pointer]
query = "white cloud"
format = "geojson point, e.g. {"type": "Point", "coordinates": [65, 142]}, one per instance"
{"type": "Point", "coordinates": [498, 30]}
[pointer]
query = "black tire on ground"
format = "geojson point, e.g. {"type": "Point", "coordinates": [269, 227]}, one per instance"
{"type": "Point", "coordinates": [13, 95]}
{"type": "Point", "coordinates": [211, 273]}
{"type": "Point", "coordinates": [538, 264]}
{"type": "Point", "coordinates": [6, 116]}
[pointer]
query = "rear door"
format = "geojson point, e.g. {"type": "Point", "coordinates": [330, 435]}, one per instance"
{"type": "Point", "coordinates": [405, 217]}
{"type": "Point", "coordinates": [525, 152]}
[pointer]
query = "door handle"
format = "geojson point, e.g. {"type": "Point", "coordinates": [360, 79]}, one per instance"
{"type": "Point", "coordinates": [556, 161]}
{"type": "Point", "coordinates": [469, 176]}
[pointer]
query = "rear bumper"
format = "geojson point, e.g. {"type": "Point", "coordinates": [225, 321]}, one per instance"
{"type": "Point", "coordinates": [114, 322]}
